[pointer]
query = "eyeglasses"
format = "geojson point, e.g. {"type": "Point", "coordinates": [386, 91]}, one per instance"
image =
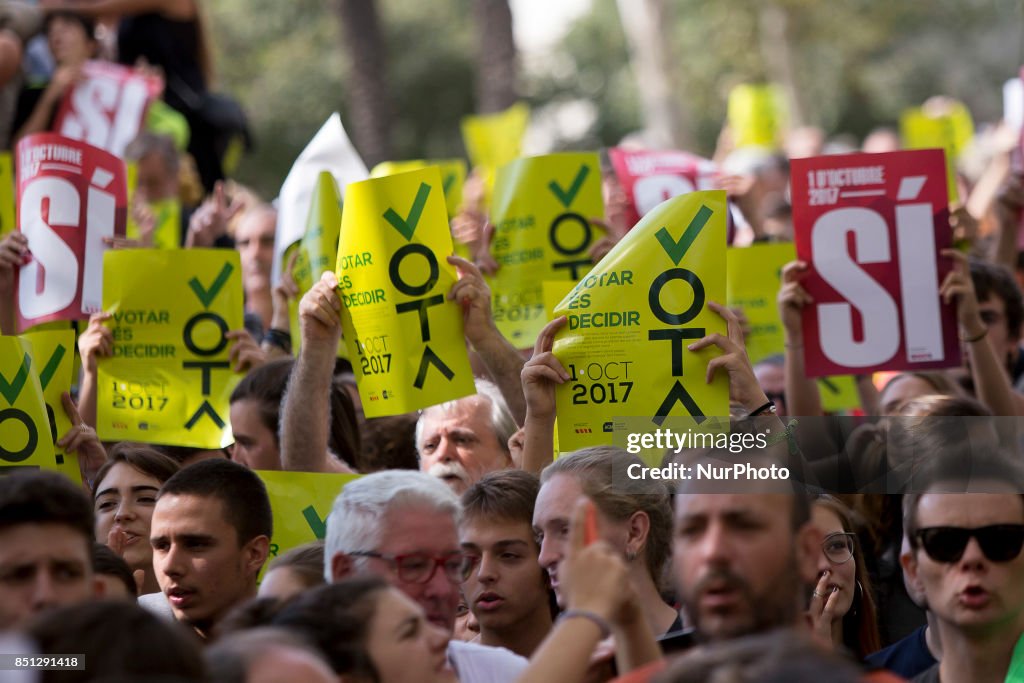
{"type": "Point", "coordinates": [998, 542]}
{"type": "Point", "coordinates": [420, 568]}
{"type": "Point", "coordinates": [838, 547]}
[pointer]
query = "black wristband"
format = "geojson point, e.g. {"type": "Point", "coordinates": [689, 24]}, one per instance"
{"type": "Point", "coordinates": [278, 338]}
{"type": "Point", "coordinates": [768, 407]}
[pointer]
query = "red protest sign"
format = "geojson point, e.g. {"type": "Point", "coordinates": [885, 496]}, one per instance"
{"type": "Point", "coordinates": [107, 107]}
{"type": "Point", "coordinates": [70, 197]}
{"type": "Point", "coordinates": [650, 177]}
{"type": "Point", "coordinates": [871, 226]}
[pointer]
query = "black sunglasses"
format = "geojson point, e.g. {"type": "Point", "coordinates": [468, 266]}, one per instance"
{"type": "Point", "coordinates": [998, 542]}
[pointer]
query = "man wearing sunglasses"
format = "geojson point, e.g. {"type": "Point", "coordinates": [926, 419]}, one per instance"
{"type": "Point", "coordinates": [966, 557]}
{"type": "Point", "coordinates": [403, 526]}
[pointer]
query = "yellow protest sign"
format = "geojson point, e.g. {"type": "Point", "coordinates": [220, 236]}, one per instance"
{"type": "Point", "coordinates": [947, 126]}
{"type": "Point", "coordinates": [757, 115]}
{"type": "Point", "coordinates": [300, 503]}
{"type": "Point", "coordinates": [166, 225]}
{"type": "Point", "coordinates": [404, 337]}
{"type": "Point", "coordinates": [166, 215]}
{"type": "Point", "coordinates": [453, 176]}
{"type": "Point", "coordinates": [318, 248]}
{"type": "Point", "coordinates": [7, 223]}
{"type": "Point", "coordinates": [541, 213]}
{"type": "Point", "coordinates": [754, 276]}
{"type": "Point", "coordinates": [631, 318]}
{"type": "Point", "coordinates": [493, 140]}
{"type": "Point", "coordinates": [53, 360]}
{"type": "Point", "coordinates": [838, 393]}
{"type": "Point", "coordinates": [752, 284]}
{"type": "Point", "coordinates": [131, 180]}
{"type": "Point", "coordinates": [169, 379]}
{"type": "Point", "coordinates": [24, 426]}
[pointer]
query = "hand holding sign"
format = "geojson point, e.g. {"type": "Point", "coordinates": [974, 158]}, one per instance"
{"type": "Point", "coordinates": [96, 342]}
{"type": "Point", "coordinates": [743, 385]}
{"type": "Point", "coordinates": [245, 353]}
{"type": "Point", "coordinates": [958, 285]}
{"type": "Point", "coordinates": [542, 372]}
{"type": "Point", "coordinates": [792, 298]}
{"type": "Point", "coordinates": [71, 196]}
{"type": "Point", "coordinates": [473, 294]}
{"type": "Point", "coordinates": [320, 314]}
{"type": "Point", "coordinates": [13, 254]}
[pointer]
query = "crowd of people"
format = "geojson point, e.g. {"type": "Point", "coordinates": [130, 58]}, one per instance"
{"type": "Point", "coordinates": [469, 549]}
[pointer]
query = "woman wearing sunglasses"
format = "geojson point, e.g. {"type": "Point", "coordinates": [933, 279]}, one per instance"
{"type": "Point", "coordinates": [842, 609]}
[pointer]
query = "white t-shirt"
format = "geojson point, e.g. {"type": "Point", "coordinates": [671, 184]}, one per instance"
{"type": "Point", "coordinates": [157, 604]}
{"type": "Point", "coordinates": [475, 663]}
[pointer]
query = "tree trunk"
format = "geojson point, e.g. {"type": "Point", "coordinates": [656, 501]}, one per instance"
{"type": "Point", "coordinates": [370, 107]}
{"type": "Point", "coordinates": [774, 32]}
{"type": "Point", "coordinates": [496, 56]}
{"type": "Point", "coordinates": [646, 23]}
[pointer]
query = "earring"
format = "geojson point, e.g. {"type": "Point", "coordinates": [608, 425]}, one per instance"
{"type": "Point", "coordinates": [858, 595]}
{"type": "Point", "coordinates": [630, 556]}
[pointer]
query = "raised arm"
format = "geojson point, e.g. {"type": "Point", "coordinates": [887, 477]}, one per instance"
{"type": "Point", "coordinates": [991, 382]}
{"type": "Point", "coordinates": [802, 395]}
{"type": "Point", "coordinates": [501, 358]}
{"type": "Point", "coordinates": [305, 410]}
{"type": "Point", "coordinates": [597, 591]}
{"type": "Point", "coordinates": [95, 343]}
{"type": "Point", "coordinates": [13, 252]}
{"type": "Point", "coordinates": [539, 377]}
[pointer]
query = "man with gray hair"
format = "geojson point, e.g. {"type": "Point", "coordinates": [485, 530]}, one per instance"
{"type": "Point", "coordinates": [403, 526]}
{"type": "Point", "coordinates": [462, 440]}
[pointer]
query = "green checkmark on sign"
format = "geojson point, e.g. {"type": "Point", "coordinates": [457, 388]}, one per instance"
{"type": "Point", "coordinates": [567, 196]}
{"type": "Point", "coordinates": [11, 390]}
{"type": "Point", "coordinates": [407, 226]}
{"type": "Point", "coordinates": [206, 296]}
{"type": "Point", "coordinates": [318, 526]}
{"type": "Point", "coordinates": [676, 250]}
{"type": "Point", "coordinates": [46, 374]}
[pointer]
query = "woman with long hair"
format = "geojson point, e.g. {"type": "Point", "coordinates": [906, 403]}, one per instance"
{"type": "Point", "coordinates": [842, 607]}
{"type": "Point", "coordinates": [125, 495]}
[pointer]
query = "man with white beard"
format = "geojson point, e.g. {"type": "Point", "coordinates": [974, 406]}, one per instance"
{"type": "Point", "coordinates": [460, 441]}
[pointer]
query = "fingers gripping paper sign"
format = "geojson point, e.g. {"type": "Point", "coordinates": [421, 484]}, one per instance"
{"type": "Point", "coordinates": [871, 226]}
{"type": "Point", "coordinates": [170, 378]}
{"type": "Point", "coordinates": [651, 177]}
{"type": "Point", "coordinates": [24, 427]}
{"type": "Point", "coordinates": [70, 197]}
{"type": "Point", "coordinates": [107, 107]}
{"type": "Point", "coordinates": [541, 211]}
{"type": "Point", "coordinates": [53, 360]}
{"type": "Point", "coordinates": [404, 337]}
{"type": "Point", "coordinates": [631, 319]}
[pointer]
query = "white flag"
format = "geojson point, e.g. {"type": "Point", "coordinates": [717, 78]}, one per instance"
{"type": "Point", "coordinates": [329, 150]}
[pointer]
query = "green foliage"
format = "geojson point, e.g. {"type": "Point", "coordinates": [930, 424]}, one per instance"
{"type": "Point", "coordinates": [286, 63]}
{"type": "Point", "coordinates": [857, 64]}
